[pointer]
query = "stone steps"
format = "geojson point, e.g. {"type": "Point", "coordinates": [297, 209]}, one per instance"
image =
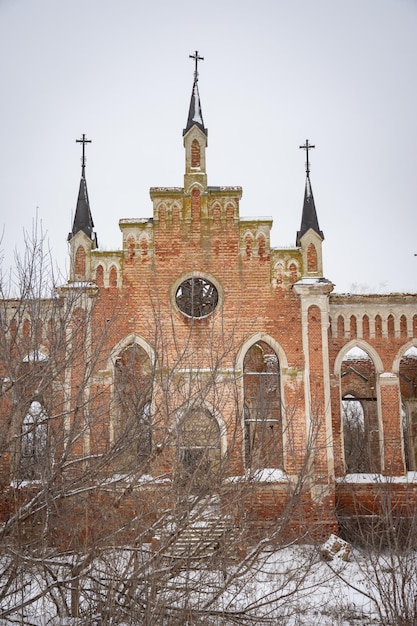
{"type": "Point", "coordinates": [203, 533]}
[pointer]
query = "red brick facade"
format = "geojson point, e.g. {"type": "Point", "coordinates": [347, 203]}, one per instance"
{"type": "Point", "coordinates": [191, 291]}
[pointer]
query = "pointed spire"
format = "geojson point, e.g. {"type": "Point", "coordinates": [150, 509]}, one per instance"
{"type": "Point", "coordinates": [195, 114]}
{"type": "Point", "coordinates": [309, 216]}
{"type": "Point", "coordinates": [83, 219]}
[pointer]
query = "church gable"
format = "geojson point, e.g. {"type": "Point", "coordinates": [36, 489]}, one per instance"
{"type": "Point", "coordinates": [200, 353]}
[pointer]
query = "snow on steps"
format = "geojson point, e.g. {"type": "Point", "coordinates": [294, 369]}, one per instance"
{"type": "Point", "coordinates": [201, 533]}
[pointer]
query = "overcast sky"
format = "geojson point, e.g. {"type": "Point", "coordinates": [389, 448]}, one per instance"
{"type": "Point", "coordinates": [276, 72]}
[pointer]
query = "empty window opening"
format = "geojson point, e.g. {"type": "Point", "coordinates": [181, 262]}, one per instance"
{"type": "Point", "coordinates": [199, 450]}
{"type": "Point", "coordinates": [262, 408]}
{"type": "Point", "coordinates": [408, 389]}
{"type": "Point", "coordinates": [359, 408]}
{"type": "Point", "coordinates": [133, 393]}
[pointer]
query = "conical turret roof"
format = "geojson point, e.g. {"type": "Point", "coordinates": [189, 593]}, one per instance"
{"type": "Point", "coordinates": [195, 114]}
{"type": "Point", "coordinates": [309, 216]}
{"type": "Point", "coordinates": [83, 220]}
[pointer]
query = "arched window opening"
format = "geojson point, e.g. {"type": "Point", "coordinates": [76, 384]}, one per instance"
{"type": "Point", "coordinates": [311, 258]}
{"type": "Point", "coordinates": [131, 245]}
{"type": "Point", "coordinates": [365, 327]}
{"type": "Point", "coordinates": [353, 327]}
{"type": "Point", "coordinates": [279, 273]}
{"type": "Point", "coordinates": [133, 395]}
{"type": "Point", "coordinates": [248, 246]}
{"type": "Point", "coordinates": [199, 450]}
{"type": "Point", "coordinates": [230, 213]}
{"type": "Point", "coordinates": [80, 262]}
{"type": "Point", "coordinates": [408, 388]}
{"type": "Point", "coordinates": [33, 449]}
{"type": "Point", "coordinates": [356, 454]}
{"type": "Point", "coordinates": [261, 246]}
{"type": "Point", "coordinates": [262, 408]}
{"type": "Point", "coordinates": [162, 214]}
{"type": "Point", "coordinates": [340, 326]}
{"type": "Point", "coordinates": [360, 413]}
{"type": "Point", "coordinates": [175, 215]}
{"type": "Point", "coordinates": [293, 273]}
{"type": "Point", "coordinates": [403, 326]}
{"type": "Point", "coordinates": [195, 153]}
{"type": "Point", "coordinates": [391, 326]}
{"type": "Point", "coordinates": [378, 326]}
{"type": "Point", "coordinates": [144, 246]}
{"type": "Point", "coordinates": [113, 276]}
{"type": "Point", "coordinates": [100, 276]}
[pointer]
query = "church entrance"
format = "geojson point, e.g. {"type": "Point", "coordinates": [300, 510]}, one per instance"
{"type": "Point", "coordinates": [199, 451]}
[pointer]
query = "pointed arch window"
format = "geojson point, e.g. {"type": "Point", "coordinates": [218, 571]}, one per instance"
{"type": "Point", "coordinates": [355, 444]}
{"type": "Point", "coordinates": [262, 408]}
{"type": "Point", "coordinates": [80, 262]}
{"type": "Point", "coordinates": [33, 449]}
{"type": "Point", "coordinates": [311, 258]}
{"type": "Point", "coordinates": [408, 387]}
{"type": "Point", "coordinates": [133, 395]}
{"type": "Point", "coordinates": [199, 448]}
{"type": "Point", "coordinates": [113, 276]}
{"type": "Point", "coordinates": [360, 421]}
{"type": "Point", "coordinates": [195, 153]}
{"type": "Point", "coordinates": [100, 276]}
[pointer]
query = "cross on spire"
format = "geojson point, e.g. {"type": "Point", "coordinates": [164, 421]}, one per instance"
{"type": "Point", "coordinates": [83, 140]}
{"type": "Point", "coordinates": [307, 146]}
{"type": "Point", "coordinates": [196, 59]}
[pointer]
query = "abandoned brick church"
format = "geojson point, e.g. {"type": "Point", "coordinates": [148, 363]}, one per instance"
{"type": "Point", "coordinates": [198, 356]}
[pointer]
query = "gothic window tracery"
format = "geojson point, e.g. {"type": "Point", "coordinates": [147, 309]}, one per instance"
{"type": "Point", "coordinates": [197, 297]}
{"type": "Point", "coordinates": [262, 408]}
{"type": "Point", "coordinates": [33, 444]}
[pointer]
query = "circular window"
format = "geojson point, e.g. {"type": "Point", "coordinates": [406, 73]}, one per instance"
{"type": "Point", "coordinates": [196, 297]}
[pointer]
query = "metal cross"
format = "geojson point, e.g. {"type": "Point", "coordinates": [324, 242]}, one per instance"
{"type": "Point", "coordinates": [83, 160]}
{"type": "Point", "coordinates": [196, 59]}
{"type": "Point", "coordinates": [307, 147]}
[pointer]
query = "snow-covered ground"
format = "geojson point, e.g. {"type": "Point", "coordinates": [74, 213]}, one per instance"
{"type": "Point", "coordinates": [292, 586]}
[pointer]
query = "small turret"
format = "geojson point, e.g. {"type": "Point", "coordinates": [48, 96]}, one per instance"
{"type": "Point", "coordinates": [195, 138]}
{"type": "Point", "coordinates": [310, 237]}
{"type": "Point", "coordinates": [82, 238]}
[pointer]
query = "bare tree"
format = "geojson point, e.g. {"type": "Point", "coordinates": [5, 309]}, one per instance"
{"type": "Point", "coordinates": [147, 518]}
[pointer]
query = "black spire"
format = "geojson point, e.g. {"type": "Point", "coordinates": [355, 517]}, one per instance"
{"type": "Point", "coordinates": [195, 114]}
{"type": "Point", "coordinates": [309, 216]}
{"type": "Point", "coordinates": [83, 219]}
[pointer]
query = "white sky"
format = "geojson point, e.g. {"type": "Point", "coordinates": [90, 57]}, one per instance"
{"type": "Point", "coordinates": [340, 73]}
